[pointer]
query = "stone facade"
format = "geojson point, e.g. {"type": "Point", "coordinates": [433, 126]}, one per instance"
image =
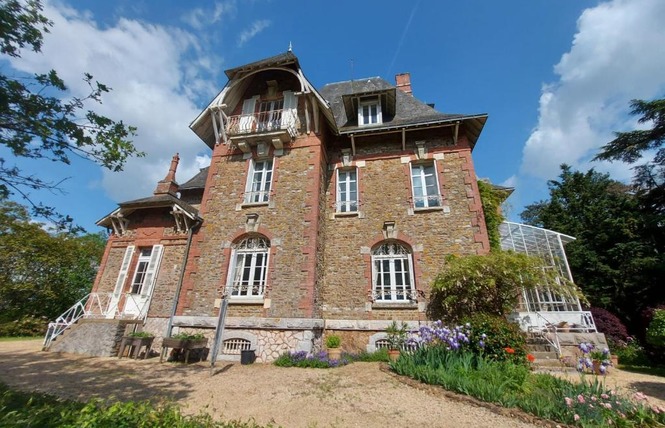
{"type": "Point", "coordinates": [319, 276]}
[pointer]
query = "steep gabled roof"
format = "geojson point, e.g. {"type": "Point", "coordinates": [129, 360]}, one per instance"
{"type": "Point", "coordinates": [409, 111]}
{"type": "Point", "coordinates": [280, 59]}
{"type": "Point", "coordinates": [196, 182]}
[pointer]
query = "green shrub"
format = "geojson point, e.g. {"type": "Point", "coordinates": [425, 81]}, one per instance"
{"type": "Point", "coordinates": [188, 336]}
{"type": "Point", "coordinates": [497, 338]}
{"type": "Point", "coordinates": [630, 353]}
{"type": "Point", "coordinates": [490, 284]}
{"type": "Point", "coordinates": [18, 409]}
{"type": "Point", "coordinates": [333, 341]}
{"type": "Point", "coordinates": [28, 326]}
{"type": "Point", "coordinates": [656, 330]}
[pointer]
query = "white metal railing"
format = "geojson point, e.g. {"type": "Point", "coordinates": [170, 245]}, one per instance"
{"type": "Point", "coordinates": [98, 305]}
{"type": "Point", "coordinates": [265, 121]}
{"type": "Point", "coordinates": [550, 335]}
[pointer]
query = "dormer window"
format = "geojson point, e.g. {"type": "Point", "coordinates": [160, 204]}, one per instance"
{"type": "Point", "coordinates": [369, 111]}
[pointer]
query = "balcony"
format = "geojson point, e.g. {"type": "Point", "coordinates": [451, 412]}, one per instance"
{"type": "Point", "coordinates": [265, 125]}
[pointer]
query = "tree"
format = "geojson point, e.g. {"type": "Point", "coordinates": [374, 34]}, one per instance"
{"type": "Point", "coordinates": [490, 284]}
{"type": "Point", "coordinates": [614, 259]}
{"type": "Point", "coordinates": [36, 123]}
{"type": "Point", "coordinates": [42, 274]}
{"type": "Point", "coordinates": [649, 178]}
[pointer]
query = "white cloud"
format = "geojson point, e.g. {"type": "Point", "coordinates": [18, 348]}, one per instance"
{"type": "Point", "coordinates": [154, 88]}
{"type": "Point", "coordinates": [615, 57]}
{"type": "Point", "coordinates": [199, 18]}
{"type": "Point", "coordinates": [253, 30]}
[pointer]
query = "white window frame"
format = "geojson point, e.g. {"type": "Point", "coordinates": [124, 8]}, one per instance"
{"type": "Point", "coordinates": [344, 200]}
{"type": "Point", "coordinates": [367, 120]}
{"type": "Point", "coordinates": [430, 198]}
{"type": "Point", "coordinates": [248, 272]}
{"type": "Point", "coordinates": [259, 181]}
{"type": "Point", "coordinates": [141, 271]}
{"type": "Point", "coordinates": [391, 254]}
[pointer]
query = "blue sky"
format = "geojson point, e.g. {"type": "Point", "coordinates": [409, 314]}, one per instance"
{"type": "Point", "coordinates": [555, 77]}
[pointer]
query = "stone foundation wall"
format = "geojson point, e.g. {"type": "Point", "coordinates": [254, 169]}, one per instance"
{"type": "Point", "coordinates": [98, 338]}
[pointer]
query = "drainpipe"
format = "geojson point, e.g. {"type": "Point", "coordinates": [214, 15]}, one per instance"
{"type": "Point", "coordinates": [169, 326]}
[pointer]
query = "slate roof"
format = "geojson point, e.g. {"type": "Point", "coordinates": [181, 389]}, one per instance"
{"type": "Point", "coordinates": [409, 111]}
{"type": "Point", "coordinates": [156, 201]}
{"type": "Point", "coordinates": [196, 182]}
{"type": "Point", "coordinates": [281, 59]}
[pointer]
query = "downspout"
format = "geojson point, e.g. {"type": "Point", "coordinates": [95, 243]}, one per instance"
{"type": "Point", "coordinates": [169, 326]}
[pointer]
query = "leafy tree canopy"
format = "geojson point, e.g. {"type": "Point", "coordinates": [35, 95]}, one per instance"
{"type": "Point", "coordinates": [35, 121]}
{"type": "Point", "coordinates": [630, 147]}
{"type": "Point", "coordinates": [42, 274]}
{"type": "Point", "coordinates": [615, 259]}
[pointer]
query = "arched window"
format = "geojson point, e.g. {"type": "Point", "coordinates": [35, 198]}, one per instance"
{"type": "Point", "coordinates": [392, 273]}
{"type": "Point", "coordinates": [235, 345]}
{"type": "Point", "coordinates": [249, 266]}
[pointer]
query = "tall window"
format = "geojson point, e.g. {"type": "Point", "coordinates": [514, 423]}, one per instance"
{"type": "Point", "coordinates": [247, 277]}
{"type": "Point", "coordinates": [369, 111]}
{"type": "Point", "coordinates": [392, 273]}
{"type": "Point", "coordinates": [141, 270]}
{"type": "Point", "coordinates": [347, 191]}
{"type": "Point", "coordinates": [425, 186]}
{"type": "Point", "coordinates": [258, 182]}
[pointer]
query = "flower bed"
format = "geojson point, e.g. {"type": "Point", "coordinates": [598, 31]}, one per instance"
{"type": "Point", "coordinates": [447, 356]}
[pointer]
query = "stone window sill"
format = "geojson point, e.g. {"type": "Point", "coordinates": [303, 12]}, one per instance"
{"type": "Point", "coordinates": [246, 301]}
{"type": "Point", "coordinates": [395, 305]}
{"type": "Point", "coordinates": [427, 209]}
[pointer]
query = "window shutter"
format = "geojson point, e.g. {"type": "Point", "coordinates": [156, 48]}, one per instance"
{"type": "Point", "coordinates": [122, 276]}
{"type": "Point", "coordinates": [290, 109]}
{"type": "Point", "coordinates": [247, 117]}
{"type": "Point", "coordinates": [153, 267]}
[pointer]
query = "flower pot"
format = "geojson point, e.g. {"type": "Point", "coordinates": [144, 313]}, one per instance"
{"type": "Point", "coordinates": [595, 365]}
{"type": "Point", "coordinates": [334, 353]}
{"type": "Point", "coordinates": [393, 354]}
{"type": "Point", "coordinates": [615, 360]}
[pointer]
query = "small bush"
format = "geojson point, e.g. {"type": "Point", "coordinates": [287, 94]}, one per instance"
{"type": "Point", "coordinates": [303, 360]}
{"type": "Point", "coordinates": [380, 355]}
{"type": "Point", "coordinates": [140, 334]}
{"type": "Point", "coordinates": [656, 330]}
{"type": "Point", "coordinates": [630, 353]}
{"type": "Point", "coordinates": [28, 326]}
{"type": "Point", "coordinates": [333, 341]}
{"type": "Point", "coordinates": [495, 337]}
{"type": "Point", "coordinates": [610, 324]}
{"type": "Point", "coordinates": [188, 336]}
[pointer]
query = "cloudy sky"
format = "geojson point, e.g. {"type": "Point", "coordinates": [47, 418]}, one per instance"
{"type": "Point", "coordinates": [555, 77]}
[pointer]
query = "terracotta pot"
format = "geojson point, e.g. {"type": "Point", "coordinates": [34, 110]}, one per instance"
{"type": "Point", "coordinates": [334, 353]}
{"type": "Point", "coordinates": [615, 360]}
{"type": "Point", "coordinates": [596, 367]}
{"type": "Point", "coordinates": [393, 354]}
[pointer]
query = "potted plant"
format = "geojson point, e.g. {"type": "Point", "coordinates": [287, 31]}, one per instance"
{"type": "Point", "coordinates": [563, 327]}
{"type": "Point", "coordinates": [333, 343]}
{"type": "Point", "coordinates": [183, 343]}
{"type": "Point", "coordinates": [600, 360]}
{"type": "Point", "coordinates": [396, 335]}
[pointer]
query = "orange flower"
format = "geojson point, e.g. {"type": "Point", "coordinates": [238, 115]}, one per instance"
{"type": "Point", "coordinates": [531, 358]}
{"type": "Point", "coordinates": [509, 350]}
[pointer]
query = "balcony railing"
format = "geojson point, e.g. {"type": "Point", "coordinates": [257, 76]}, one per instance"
{"type": "Point", "coordinates": [263, 122]}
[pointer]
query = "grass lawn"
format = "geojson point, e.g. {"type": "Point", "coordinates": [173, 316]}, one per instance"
{"type": "Point", "coordinates": [654, 371]}
{"type": "Point", "coordinates": [17, 338]}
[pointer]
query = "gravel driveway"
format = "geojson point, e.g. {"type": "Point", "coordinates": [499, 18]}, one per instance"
{"type": "Point", "coordinates": [357, 395]}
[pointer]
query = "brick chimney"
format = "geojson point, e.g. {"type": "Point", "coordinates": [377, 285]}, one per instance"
{"type": "Point", "coordinates": [168, 184]}
{"type": "Point", "coordinates": [403, 82]}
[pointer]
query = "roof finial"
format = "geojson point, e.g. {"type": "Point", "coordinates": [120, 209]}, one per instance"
{"type": "Point", "coordinates": [290, 47]}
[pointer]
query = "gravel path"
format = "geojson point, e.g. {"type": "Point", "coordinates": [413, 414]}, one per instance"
{"type": "Point", "coordinates": [357, 395]}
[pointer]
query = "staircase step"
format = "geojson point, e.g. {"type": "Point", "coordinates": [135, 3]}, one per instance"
{"type": "Point", "coordinates": [545, 356]}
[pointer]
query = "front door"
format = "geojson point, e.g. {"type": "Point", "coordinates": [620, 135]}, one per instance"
{"type": "Point", "coordinates": [143, 281]}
